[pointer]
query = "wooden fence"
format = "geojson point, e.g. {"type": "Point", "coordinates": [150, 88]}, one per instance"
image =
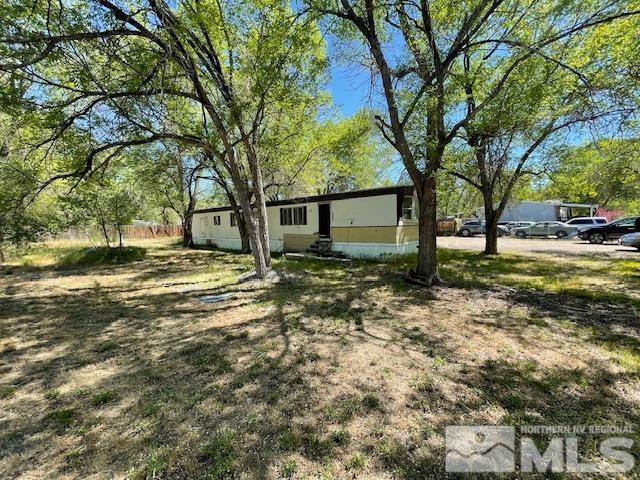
{"type": "Point", "coordinates": [154, 231]}
{"type": "Point", "coordinates": [446, 227]}
{"type": "Point", "coordinates": [130, 231]}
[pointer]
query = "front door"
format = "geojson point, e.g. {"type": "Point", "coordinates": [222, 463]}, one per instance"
{"type": "Point", "coordinates": [324, 217]}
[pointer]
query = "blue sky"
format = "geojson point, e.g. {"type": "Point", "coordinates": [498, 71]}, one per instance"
{"type": "Point", "coordinates": [349, 88]}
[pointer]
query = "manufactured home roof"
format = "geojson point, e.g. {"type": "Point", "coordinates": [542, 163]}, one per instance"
{"type": "Point", "coordinates": [371, 192]}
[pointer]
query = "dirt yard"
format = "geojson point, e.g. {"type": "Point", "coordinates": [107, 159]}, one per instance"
{"type": "Point", "coordinates": [340, 371]}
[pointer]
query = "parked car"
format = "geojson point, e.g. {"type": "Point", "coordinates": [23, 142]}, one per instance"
{"type": "Point", "coordinates": [512, 225]}
{"type": "Point", "coordinates": [584, 222]}
{"type": "Point", "coordinates": [631, 240]}
{"type": "Point", "coordinates": [610, 231]}
{"type": "Point", "coordinates": [477, 227]}
{"type": "Point", "coordinates": [544, 229]}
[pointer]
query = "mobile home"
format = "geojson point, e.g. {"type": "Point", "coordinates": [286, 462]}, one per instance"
{"type": "Point", "coordinates": [361, 224]}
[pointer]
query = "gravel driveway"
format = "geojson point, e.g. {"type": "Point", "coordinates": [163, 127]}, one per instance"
{"type": "Point", "coordinates": [531, 245]}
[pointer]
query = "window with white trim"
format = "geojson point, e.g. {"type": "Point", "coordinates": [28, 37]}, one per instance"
{"type": "Point", "coordinates": [409, 210]}
{"type": "Point", "coordinates": [216, 219]}
{"type": "Point", "coordinates": [293, 216]}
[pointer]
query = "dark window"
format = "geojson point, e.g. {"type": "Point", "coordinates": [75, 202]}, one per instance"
{"type": "Point", "coordinates": [216, 219]}
{"type": "Point", "coordinates": [232, 219]}
{"type": "Point", "coordinates": [600, 220]}
{"type": "Point", "coordinates": [625, 222]}
{"type": "Point", "coordinates": [582, 221]}
{"type": "Point", "coordinates": [293, 216]}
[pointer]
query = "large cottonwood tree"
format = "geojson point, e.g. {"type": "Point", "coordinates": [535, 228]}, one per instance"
{"type": "Point", "coordinates": [114, 71]}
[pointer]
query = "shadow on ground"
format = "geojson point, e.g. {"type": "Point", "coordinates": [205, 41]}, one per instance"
{"type": "Point", "coordinates": [339, 371]}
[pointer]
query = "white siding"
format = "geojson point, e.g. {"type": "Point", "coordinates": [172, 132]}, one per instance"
{"type": "Point", "coordinates": [375, 211]}
{"type": "Point", "coordinates": [205, 229]}
{"type": "Point", "coordinates": [277, 231]}
{"type": "Point", "coordinates": [379, 251]}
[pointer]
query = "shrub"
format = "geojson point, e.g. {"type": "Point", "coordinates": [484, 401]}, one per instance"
{"type": "Point", "coordinates": [102, 256]}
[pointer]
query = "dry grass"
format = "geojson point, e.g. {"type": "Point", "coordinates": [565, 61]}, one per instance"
{"type": "Point", "coordinates": [120, 371]}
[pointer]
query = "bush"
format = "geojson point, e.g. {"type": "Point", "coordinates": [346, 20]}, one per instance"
{"type": "Point", "coordinates": [102, 256]}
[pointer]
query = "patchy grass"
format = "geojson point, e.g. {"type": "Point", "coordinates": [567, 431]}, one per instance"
{"type": "Point", "coordinates": [103, 398]}
{"type": "Point", "coordinates": [343, 371]}
{"type": "Point", "coordinates": [356, 463]}
{"type": "Point", "coordinates": [219, 456]}
{"type": "Point", "coordinates": [7, 391]}
{"type": "Point", "coordinates": [61, 418]}
{"type": "Point", "coordinates": [590, 277]}
{"type": "Point", "coordinates": [288, 469]}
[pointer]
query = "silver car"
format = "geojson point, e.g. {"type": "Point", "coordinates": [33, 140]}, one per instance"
{"type": "Point", "coordinates": [631, 240]}
{"type": "Point", "coordinates": [545, 229]}
{"type": "Point", "coordinates": [512, 225]}
{"type": "Point", "coordinates": [477, 227]}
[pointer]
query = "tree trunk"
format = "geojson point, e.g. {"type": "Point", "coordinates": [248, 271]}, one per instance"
{"type": "Point", "coordinates": [105, 233]}
{"type": "Point", "coordinates": [187, 231]}
{"type": "Point", "coordinates": [187, 223]}
{"type": "Point", "coordinates": [491, 235]}
{"type": "Point", "coordinates": [255, 242]}
{"type": "Point", "coordinates": [261, 205]}
{"type": "Point", "coordinates": [242, 226]}
{"type": "Point", "coordinates": [1, 255]}
{"type": "Point", "coordinates": [427, 267]}
{"type": "Point", "coordinates": [255, 238]}
{"type": "Point", "coordinates": [244, 237]}
{"type": "Point", "coordinates": [263, 228]}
